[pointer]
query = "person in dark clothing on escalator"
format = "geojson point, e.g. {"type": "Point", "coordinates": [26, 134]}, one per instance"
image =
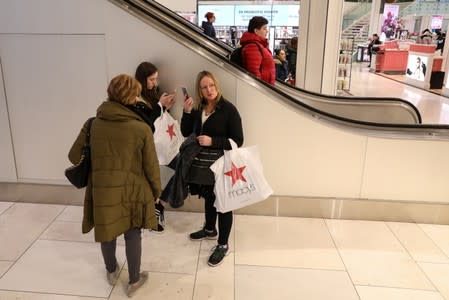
{"type": "Point", "coordinates": [292, 53]}
{"type": "Point", "coordinates": [208, 26]}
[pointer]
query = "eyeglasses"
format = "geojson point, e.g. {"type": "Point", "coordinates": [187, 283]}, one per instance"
{"type": "Point", "coordinates": [209, 86]}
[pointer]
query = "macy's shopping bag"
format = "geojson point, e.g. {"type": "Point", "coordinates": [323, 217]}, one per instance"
{"type": "Point", "coordinates": [167, 138]}
{"type": "Point", "coordinates": [239, 179]}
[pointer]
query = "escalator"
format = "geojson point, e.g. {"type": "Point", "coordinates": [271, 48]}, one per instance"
{"type": "Point", "coordinates": [312, 145]}
{"type": "Point", "coordinates": [370, 109]}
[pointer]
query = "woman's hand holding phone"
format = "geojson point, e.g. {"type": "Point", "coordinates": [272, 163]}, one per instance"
{"type": "Point", "coordinates": [167, 100]}
{"type": "Point", "coordinates": [188, 104]}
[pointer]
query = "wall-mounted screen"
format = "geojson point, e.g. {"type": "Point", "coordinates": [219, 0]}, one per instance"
{"type": "Point", "coordinates": [417, 66]}
{"type": "Point", "coordinates": [244, 13]}
{"type": "Point", "coordinates": [277, 15]}
{"type": "Point", "coordinates": [285, 15]}
{"type": "Point", "coordinates": [224, 14]}
{"type": "Point", "coordinates": [239, 15]}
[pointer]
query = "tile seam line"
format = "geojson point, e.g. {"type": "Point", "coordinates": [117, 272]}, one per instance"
{"type": "Point", "coordinates": [411, 257]}
{"type": "Point", "coordinates": [32, 243]}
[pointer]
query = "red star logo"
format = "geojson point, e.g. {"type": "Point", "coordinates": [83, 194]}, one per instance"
{"type": "Point", "coordinates": [171, 131]}
{"type": "Point", "coordinates": [236, 173]}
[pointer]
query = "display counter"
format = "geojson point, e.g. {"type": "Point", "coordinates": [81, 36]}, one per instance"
{"type": "Point", "coordinates": [420, 65]}
{"type": "Point", "coordinates": [391, 61]}
{"type": "Point", "coordinates": [392, 58]}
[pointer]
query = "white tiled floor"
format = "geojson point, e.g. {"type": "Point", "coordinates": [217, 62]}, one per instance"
{"type": "Point", "coordinates": [434, 109]}
{"type": "Point", "coordinates": [272, 258]}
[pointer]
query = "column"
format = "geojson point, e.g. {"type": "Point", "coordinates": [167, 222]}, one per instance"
{"type": "Point", "coordinates": [375, 24]}
{"type": "Point", "coordinates": [426, 21]}
{"type": "Point", "coordinates": [318, 45]}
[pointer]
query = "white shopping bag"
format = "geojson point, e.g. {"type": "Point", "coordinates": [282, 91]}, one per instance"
{"type": "Point", "coordinates": [239, 179]}
{"type": "Point", "coordinates": [167, 138]}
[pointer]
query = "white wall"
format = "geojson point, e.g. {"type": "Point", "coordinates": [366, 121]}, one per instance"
{"type": "Point", "coordinates": [53, 82]}
{"type": "Point", "coordinates": [7, 164]}
{"type": "Point", "coordinates": [302, 156]}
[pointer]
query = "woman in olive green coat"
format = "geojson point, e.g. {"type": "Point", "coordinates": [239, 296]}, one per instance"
{"type": "Point", "coordinates": [124, 181]}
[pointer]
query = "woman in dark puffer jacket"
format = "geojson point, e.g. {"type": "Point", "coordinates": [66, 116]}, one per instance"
{"type": "Point", "coordinates": [257, 58]}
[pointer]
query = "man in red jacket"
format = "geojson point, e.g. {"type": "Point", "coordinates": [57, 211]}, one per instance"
{"type": "Point", "coordinates": [257, 58]}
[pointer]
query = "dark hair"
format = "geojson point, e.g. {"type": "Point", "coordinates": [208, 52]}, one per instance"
{"type": "Point", "coordinates": [277, 51]}
{"type": "Point", "coordinates": [143, 71]}
{"type": "Point", "coordinates": [209, 15]}
{"type": "Point", "coordinates": [375, 35]}
{"type": "Point", "coordinates": [256, 23]}
{"type": "Point", "coordinates": [294, 42]}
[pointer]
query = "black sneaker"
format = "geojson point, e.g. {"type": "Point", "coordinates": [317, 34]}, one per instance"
{"type": "Point", "coordinates": [160, 229]}
{"type": "Point", "coordinates": [160, 218]}
{"type": "Point", "coordinates": [216, 258]}
{"type": "Point", "coordinates": [204, 234]}
{"type": "Point", "coordinates": [160, 213]}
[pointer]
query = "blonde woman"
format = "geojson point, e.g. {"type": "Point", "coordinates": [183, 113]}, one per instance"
{"type": "Point", "coordinates": [124, 180]}
{"type": "Point", "coordinates": [214, 120]}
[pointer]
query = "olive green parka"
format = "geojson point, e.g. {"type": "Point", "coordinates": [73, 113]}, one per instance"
{"type": "Point", "coordinates": [125, 176]}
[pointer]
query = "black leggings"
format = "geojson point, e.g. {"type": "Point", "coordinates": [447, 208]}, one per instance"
{"type": "Point", "coordinates": [133, 245]}
{"type": "Point", "coordinates": [224, 219]}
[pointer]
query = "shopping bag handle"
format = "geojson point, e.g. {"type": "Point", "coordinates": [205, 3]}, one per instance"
{"type": "Point", "coordinates": [233, 144]}
{"type": "Point", "coordinates": [162, 111]}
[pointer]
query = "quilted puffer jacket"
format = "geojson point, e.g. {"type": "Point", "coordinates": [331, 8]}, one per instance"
{"type": "Point", "coordinates": [258, 62]}
{"type": "Point", "coordinates": [125, 177]}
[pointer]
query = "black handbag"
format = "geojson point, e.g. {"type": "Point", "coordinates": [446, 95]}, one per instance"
{"type": "Point", "coordinates": [199, 172]}
{"type": "Point", "coordinates": [79, 173]}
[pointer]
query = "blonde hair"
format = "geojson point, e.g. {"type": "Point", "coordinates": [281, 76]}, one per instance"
{"type": "Point", "coordinates": [124, 89]}
{"type": "Point", "coordinates": [199, 101]}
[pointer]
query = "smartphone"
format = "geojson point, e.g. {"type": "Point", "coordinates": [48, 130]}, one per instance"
{"type": "Point", "coordinates": [184, 91]}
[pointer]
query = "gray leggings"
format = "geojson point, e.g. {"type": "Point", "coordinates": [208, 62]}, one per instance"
{"type": "Point", "coordinates": [133, 245]}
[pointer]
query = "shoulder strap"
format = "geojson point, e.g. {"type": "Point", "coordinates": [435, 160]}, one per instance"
{"type": "Point", "coordinates": [89, 126]}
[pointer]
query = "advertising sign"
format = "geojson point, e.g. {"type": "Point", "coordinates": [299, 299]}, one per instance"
{"type": "Point", "coordinates": [390, 16]}
{"type": "Point", "coordinates": [285, 15]}
{"type": "Point", "coordinates": [239, 15]}
{"type": "Point", "coordinates": [224, 14]}
{"type": "Point", "coordinates": [277, 15]}
{"type": "Point", "coordinates": [244, 13]}
{"type": "Point", "coordinates": [437, 22]}
{"type": "Point", "coordinates": [417, 67]}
